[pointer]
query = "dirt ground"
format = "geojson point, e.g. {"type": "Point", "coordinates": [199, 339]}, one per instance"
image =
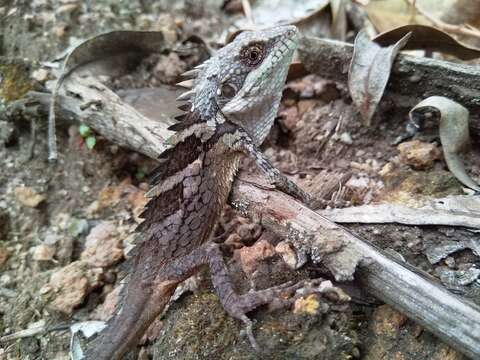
{"type": "Point", "coordinates": [66, 228]}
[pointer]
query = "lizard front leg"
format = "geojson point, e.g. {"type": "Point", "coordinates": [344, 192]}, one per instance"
{"type": "Point", "coordinates": [245, 144]}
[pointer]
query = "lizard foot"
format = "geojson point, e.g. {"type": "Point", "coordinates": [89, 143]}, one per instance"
{"type": "Point", "coordinates": [280, 296]}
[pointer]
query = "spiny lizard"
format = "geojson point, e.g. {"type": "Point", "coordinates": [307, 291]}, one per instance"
{"type": "Point", "coordinates": [233, 100]}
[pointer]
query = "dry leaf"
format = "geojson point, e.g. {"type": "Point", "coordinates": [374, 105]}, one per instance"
{"type": "Point", "coordinates": [312, 17]}
{"type": "Point", "coordinates": [369, 72]}
{"type": "Point", "coordinates": [428, 38]}
{"type": "Point", "coordinates": [388, 14]}
{"type": "Point", "coordinates": [454, 132]}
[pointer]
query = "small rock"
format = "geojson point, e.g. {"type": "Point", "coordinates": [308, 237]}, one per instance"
{"type": "Point", "coordinates": [249, 232]}
{"type": "Point", "coordinates": [103, 246]}
{"type": "Point", "coordinates": [40, 75]}
{"type": "Point", "coordinates": [447, 353]}
{"type": "Point", "coordinates": [4, 255]}
{"type": "Point", "coordinates": [457, 278]}
{"type": "Point", "coordinates": [450, 262]}
{"type": "Point", "coordinates": [388, 321]}
{"type": "Point", "coordinates": [346, 138]}
{"type": "Point", "coordinates": [386, 169]}
{"type": "Point", "coordinates": [28, 196]}
{"type": "Point", "coordinates": [60, 30]}
{"type": "Point", "coordinates": [252, 255]}
{"type": "Point", "coordinates": [4, 224]}
{"type": "Point", "coordinates": [418, 154]}
{"type": "Point", "coordinates": [234, 241]}
{"type": "Point", "coordinates": [43, 252]}
{"type": "Point", "coordinates": [7, 133]}
{"type": "Point", "coordinates": [440, 251]}
{"type": "Point", "coordinates": [169, 67]}
{"type": "Point", "coordinates": [67, 9]}
{"type": "Point", "coordinates": [71, 284]}
{"type": "Point", "coordinates": [307, 105]}
{"type": "Point", "coordinates": [290, 117]}
{"type": "Point", "coordinates": [77, 227]}
{"type": "Point", "coordinates": [110, 304]}
{"type": "Point", "coordinates": [167, 25]}
{"type": "Point", "coordinates": [293, 259]}
{"type": "Point", "coordinates": [137, 201]}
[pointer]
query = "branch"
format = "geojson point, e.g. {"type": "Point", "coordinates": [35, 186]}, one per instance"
{"type": "Point", "coordinates": [391, 280]}
{"type": "Point", "coordinates": [452, 319]}
{"type": "Point", "coordinates": [457, 210]}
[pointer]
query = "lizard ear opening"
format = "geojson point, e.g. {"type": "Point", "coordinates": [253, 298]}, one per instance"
{"type": "Point", "coordinates": [227, 90]}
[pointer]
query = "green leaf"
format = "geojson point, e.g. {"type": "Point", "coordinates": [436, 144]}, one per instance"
{"type": "Point", "coordinates": [84, 131]}
{"type": "Point", "coordinates": [90, 141]}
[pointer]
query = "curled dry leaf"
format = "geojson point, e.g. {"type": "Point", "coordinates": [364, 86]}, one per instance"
{"type": "Point", "coordinates": [454, 132]}
{"type": "Point", "coordinates": [428, 38]}
{"type": "Point", "coordinates": [326, 18]}
{"type": "Point", "coordinates": [369, 72]}
{"type": "Point", "coordinates": [286, 12]}
{"type": "Point", "coordinates": [111, 53]}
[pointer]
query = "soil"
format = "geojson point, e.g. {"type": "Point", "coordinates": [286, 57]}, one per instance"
{"type": "Point", "coordinates": [53, 217]}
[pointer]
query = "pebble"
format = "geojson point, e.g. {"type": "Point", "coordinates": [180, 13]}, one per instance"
{"type": "Point", "coordinates": [103, 246]}
{"type": "Point", "coordinates": [418, 154]}
{"type": "Point", "coordinates": [251, 256]}
{"type": "Point", "coordinates": [29, 197]}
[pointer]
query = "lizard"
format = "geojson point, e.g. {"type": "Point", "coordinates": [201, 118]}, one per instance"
{"type": "Point", "coordinates": [228, 111]}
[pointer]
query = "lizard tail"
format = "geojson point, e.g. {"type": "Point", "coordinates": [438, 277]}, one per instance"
{"type": "Point", "coordinates": [127, 326]}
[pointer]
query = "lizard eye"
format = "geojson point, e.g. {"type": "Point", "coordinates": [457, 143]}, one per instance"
{"type": "Point", "coordinates": [227, 91]}
{"type": "Point", "coordinates": [253, 54]}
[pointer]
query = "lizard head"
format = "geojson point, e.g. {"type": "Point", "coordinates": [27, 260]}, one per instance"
{"type": "Point", "coordinates": [243, 81]}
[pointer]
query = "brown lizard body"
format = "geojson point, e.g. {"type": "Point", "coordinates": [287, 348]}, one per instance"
{"type": "Point", "coordinates": [232, 106]}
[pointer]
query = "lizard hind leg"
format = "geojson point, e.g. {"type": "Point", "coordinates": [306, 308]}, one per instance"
{"type": "Point", "coordinates": [234, 304]}
{"type": "Point", "coordinates": [237, 305]}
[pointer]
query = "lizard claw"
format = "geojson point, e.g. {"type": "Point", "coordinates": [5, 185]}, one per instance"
{"type": "Point", "coordinates": [249, 330]}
